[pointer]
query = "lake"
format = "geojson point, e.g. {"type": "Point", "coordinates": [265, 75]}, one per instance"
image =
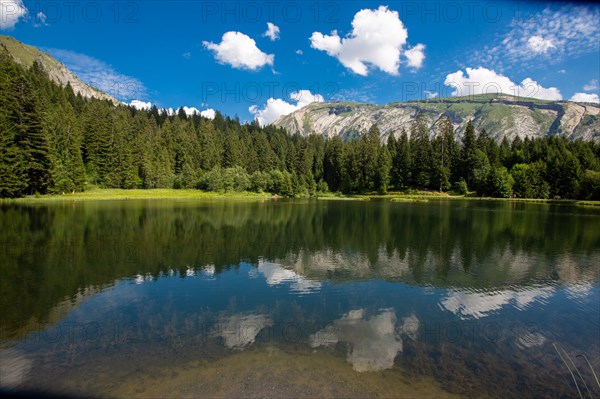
{"type": "Point", "coordinates": [300, 298]}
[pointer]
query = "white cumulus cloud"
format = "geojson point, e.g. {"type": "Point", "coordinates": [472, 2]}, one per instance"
{"type": "Point", "coordinates": [10, 13]}
{"type": "Point", "coordinates": [272, 31]}
{"type": "Point", "coordinates": [377, 39]}
{"type": "Point", "coordinates": [277, 107]}
{"type": "Point", "coordinates": [138, 104]}
{"type": "Point", "coordinates": [485, 81]}
{"type": "Point", "coordinates": [415, 56]}
{"type": "Point", "coordinates": [539, 45]}
{"type": "Point", "coordinates": [430, 94]}
{"type": "Point", "coordinates": [585, 98]}
{"type": "Point", "coordinates": [189, 111]}
{"type": "Point", "coordinates": [239, 51]}
{"type": "Point", "coordinates": [208, 113]}
{"type": "Point", "coordinates": [41, 20]}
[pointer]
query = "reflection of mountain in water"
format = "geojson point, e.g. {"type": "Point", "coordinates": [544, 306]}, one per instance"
{"type": "Point", "coordinates": [473, 304]}
{"type": "Point", "coordinates": [500, 268]}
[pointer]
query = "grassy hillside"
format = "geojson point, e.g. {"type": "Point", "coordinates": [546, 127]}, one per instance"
{"type": "Point", "coordinates": [26, 55]}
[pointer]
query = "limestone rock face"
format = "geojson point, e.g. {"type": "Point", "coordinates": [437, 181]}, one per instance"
{"type": "Point", "coordinates": [500, 115]}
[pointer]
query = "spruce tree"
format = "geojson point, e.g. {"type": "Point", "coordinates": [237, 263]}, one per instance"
{"type": "Point", "coordinates": [420, 146]}
{"type": "Point", "coordinates": [467, 155]}
{"type": "Point", "coordinates": [333, 163]}
{"type": "Point", "coordinates": [401, 163]}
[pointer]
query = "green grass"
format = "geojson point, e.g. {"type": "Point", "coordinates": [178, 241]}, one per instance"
{"type": "Point", "coordinates": [100, 194]}
{"type": "Point", "coordinates": [25, 54]}
{"type": "Point", "coordinates": [429, 196]}
{"type": "Point", "coordinates": [341, 197]}
{"type": "Point", "coordinates": [121, 194]}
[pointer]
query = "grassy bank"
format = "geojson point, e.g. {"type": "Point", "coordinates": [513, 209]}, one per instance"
{"type": "Point", "coordinates": [426, 196]}
{"type": "Point", "coordinates": [121, 194]}
{"type": "Point", "coordinates": [97, 194]}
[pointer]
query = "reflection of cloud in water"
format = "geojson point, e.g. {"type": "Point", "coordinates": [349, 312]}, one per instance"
{"type": "Point", "coordinates": [208, 270]}
{"type": "Point", "coordinates": [373, 342]}
{"type": "Point", "coordinates": [410, 327]}
{"type": "Point", "coordinates": [14, 368]}
{"type": "Point", "coordinates": [240, 330]}
{"type": "Point", "coordinates": [469, 304]}
{"type": "Point", "coordinates": [276, 274]}
{"type": "Point", "coordinates": [139, 279]}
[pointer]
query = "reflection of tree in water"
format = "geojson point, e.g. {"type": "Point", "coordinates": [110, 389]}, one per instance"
{"type": "Point", "coordinates": [55, 251]}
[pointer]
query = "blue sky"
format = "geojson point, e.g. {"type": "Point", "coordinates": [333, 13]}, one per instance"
{"type": "Point", "coordinates": [223, 55]}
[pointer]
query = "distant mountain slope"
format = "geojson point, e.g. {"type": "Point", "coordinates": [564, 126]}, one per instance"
{"type": "Point", "coordinates": [501, 115]}
{"type": "Point", "coordinates": [58, 73]}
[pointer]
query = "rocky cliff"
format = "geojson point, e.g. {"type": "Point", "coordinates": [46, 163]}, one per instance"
{"type": "Point", "coordinates": [501, 115]}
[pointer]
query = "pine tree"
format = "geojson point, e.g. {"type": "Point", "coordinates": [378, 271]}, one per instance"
{"type": "Point", "coordinates": [30, 136]}
{"type": "Point", "coordinates": [420, 146]}
{"type": "Point", "coordinates": [333, 163]}
{"type": "Point", "coordinates": [369, 153]}
{"type": "Point", "coordinates": [210, 154]}
{"type": "Point", "coordinates": [231, 150]}
{"type": "Point", "coordinates": [401, 163]}
{"type": "Point", "coordinates": [444, 150]}
{"type": "Point", "coordinates": [384, 164]}
{"type": "Point", "coordinates": [68, 173]}
{"type": "Point", "coordinates": [467, 155]}
{"type": "Point", "coordinates": [13, 179]}
{"type": "Point", "coordinates": [264, 152]}
{"type": "Point", "coordinates": [352, 171]}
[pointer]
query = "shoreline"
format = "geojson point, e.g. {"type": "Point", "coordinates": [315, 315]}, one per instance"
{"type": "Point", "coordinates": [431, 197]}
{"type": "Point", "coordinates": [137, 194]}
{"type": "Point", "coordinates": [194, 194]}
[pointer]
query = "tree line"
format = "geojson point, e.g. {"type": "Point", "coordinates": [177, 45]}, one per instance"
{"type": "Point", "coordinates": [55, 141]}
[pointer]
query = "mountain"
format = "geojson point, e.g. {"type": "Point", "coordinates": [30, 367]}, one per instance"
{"type": "Point", "coordinates": [57, 72]}
{"type": "Point", "coordinates": [500, 114]}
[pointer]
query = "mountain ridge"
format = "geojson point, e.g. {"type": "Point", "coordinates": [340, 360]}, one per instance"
{"type": "Point", "coordinates": [26, 55]}
{"type": "Point", "coordinates": [501, 115]}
